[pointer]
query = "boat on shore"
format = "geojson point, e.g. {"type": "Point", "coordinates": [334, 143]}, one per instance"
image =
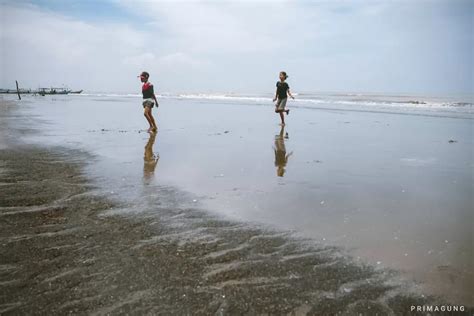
{"type": "Point", "coordinates": [14, 91]}
{"type": "Point", "coordinates": [41, 91]}
{"type": "Point", "coordinates": [52, 91]}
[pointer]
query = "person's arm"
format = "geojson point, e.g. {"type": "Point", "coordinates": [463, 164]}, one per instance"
{"type": "Point", "coordinates": [289, 93]}
{"type": "Point", "coordinates": [154, 96]}
{"type": "Point", "coordinates": [276, 94]}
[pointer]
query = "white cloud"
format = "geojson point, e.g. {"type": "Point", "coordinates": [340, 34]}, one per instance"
{"type": "Point", "coordinates": [44, 48]}
{"type": "Point", "coordinates": [240, 46]}
{"type": "Point", "coordinates": [181, 59]}
{"type": "Point", "coordinates": [201, 27]}
{"type": "Point", "coordinates": [140, 60]}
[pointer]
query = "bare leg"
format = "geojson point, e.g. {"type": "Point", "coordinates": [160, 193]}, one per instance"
{"type": "Point", "coordinates": [152, 120]}
{"type": "Point", "coordinates": [146, 113]}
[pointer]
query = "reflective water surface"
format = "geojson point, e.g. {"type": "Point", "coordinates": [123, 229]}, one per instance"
{"type": "Point", "coordinates": [391, 188]}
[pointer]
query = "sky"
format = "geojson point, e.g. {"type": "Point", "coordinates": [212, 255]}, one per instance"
{"type": "Point", "coordinates": [422, 47]}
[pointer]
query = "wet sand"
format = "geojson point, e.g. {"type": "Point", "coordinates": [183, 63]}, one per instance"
{"type": "Point", "coordinates": [67, 247]}
{"type": "Point", "coordinates": [62, 252]}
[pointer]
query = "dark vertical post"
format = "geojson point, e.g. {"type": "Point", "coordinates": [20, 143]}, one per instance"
{"type": "Point", "coordinates": [17, 90]}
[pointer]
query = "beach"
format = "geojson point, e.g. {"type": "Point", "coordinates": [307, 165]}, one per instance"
{"type": "Point", "coordinates": [350, 207]}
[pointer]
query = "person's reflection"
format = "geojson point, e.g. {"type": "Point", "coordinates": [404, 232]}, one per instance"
{"type": "Point", "coordinates": [281, 158]}
{"type": "Point", "coordinates": [150, 160]}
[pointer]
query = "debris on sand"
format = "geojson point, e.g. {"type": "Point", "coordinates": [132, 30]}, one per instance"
{"type": "Point", "coordinates": [218, 133]}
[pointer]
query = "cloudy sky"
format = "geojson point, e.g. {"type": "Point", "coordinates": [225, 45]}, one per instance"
{"type": "Point", "coordinates": [415, 47]}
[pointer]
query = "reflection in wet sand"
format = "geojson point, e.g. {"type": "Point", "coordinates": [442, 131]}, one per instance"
{"type": "Point", "coordinates": [150, 159]}
{"type": "Point", "coordinates": [281, 158]}
{"type": "Point", "coordinates": [65, 252]}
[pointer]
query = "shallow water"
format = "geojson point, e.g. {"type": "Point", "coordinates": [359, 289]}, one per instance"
{"type": "Point", "coordinates": [64, 251]}
{"type": "Point", "coordinates": [388, 186]}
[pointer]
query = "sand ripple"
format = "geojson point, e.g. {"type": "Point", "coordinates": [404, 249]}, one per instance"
{"type": "Point", "coordinates": [65, 250]}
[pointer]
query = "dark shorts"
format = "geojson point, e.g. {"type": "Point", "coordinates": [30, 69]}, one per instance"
{"type": "Point", "coordinates": [150, 103]}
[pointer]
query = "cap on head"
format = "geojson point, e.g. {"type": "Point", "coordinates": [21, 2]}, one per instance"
{"type": "Point", "coordinates": [145, 74]}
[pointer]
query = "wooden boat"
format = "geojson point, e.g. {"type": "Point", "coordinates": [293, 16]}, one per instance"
{"type": "Point", "coordinates": [52, 91]}
{"type": "Point", "coordinates": [41, 91]}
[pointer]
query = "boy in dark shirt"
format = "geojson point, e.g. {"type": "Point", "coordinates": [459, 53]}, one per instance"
{"type": "Point", "coordinates": [281, 96]}
{"type": "Point", "coordinates": [149, 100]}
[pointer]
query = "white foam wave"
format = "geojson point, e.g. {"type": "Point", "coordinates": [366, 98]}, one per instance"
{"type": "Point", "coordinates": [331, 101]}
{"type": "Point", "coordinates": [224, 97]}
{"type": "Point", "coordinates": [343, 101]}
